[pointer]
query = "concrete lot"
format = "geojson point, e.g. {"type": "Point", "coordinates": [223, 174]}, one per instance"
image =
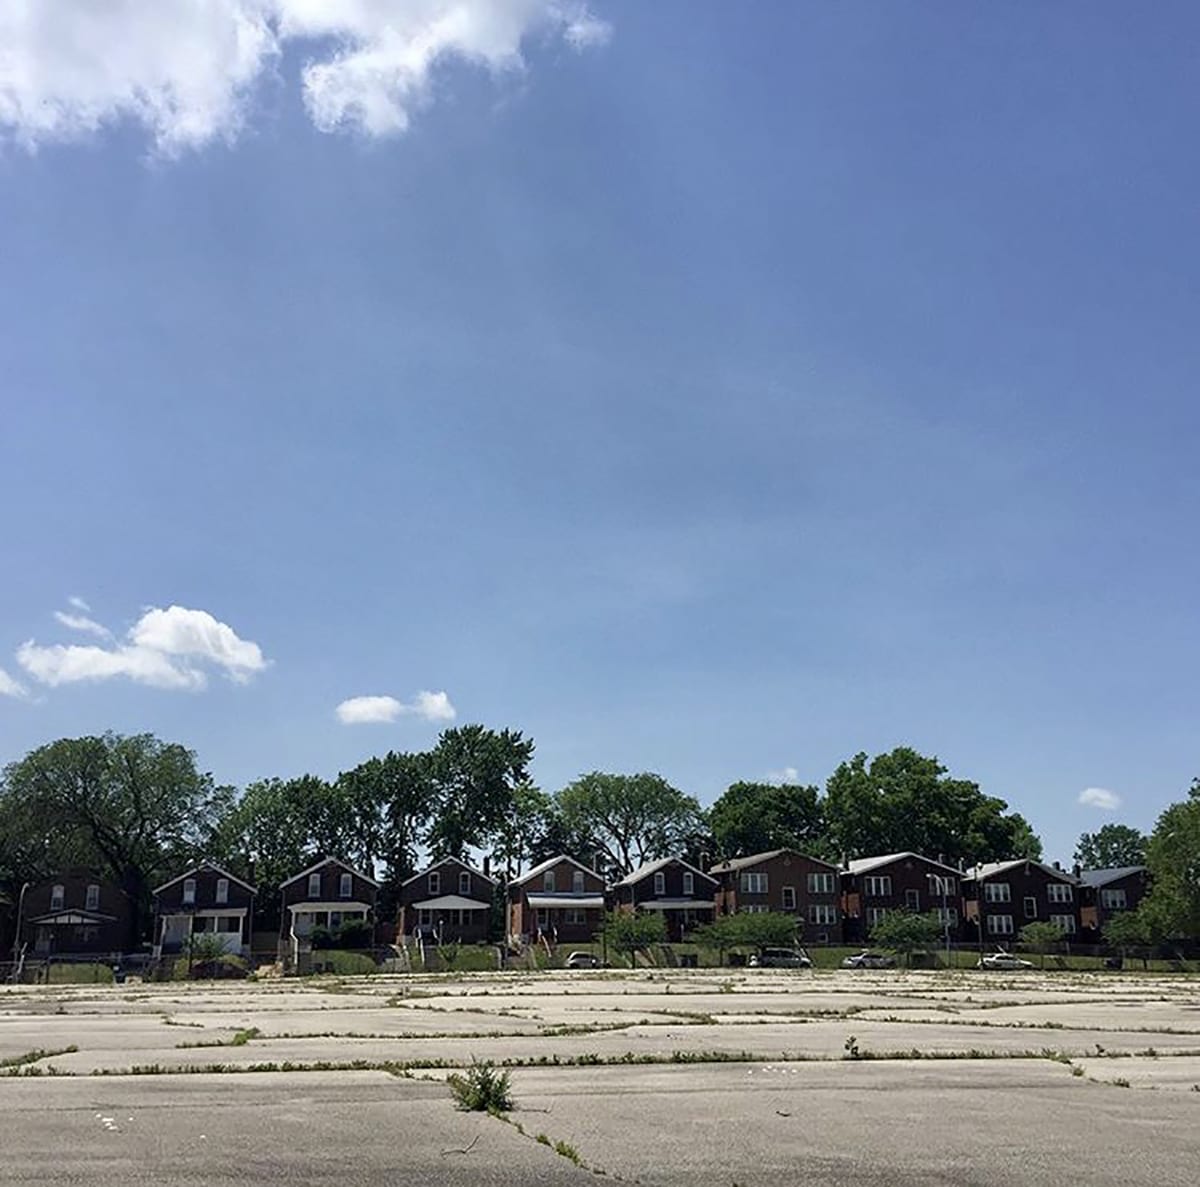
{"type": "Point", "coordinates": [1036, 1077]}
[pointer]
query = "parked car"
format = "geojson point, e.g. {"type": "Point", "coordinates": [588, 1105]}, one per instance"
{"type": "Point", "coordinates": [1003, 960]}
{"type": "Point", "coordinates": [869, 960]}
{"type": "Point", "coordinates": [583, 960]}
{"type": "Point", "coordinates": [781, 958]}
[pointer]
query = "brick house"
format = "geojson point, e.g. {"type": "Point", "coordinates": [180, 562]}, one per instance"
{"type": "Point", "coordinates": [683, 894]}
{"type": "Point", "coordinates": [326, 894]}
{"type": "Point", "coordinates": [448, 902]}
{"type": "Point", "coordinates": [1006, 895]}
{"type": "Point", "coordinates": [785, 881]}
{"type": "Point", "coordinates": [560, 901]}
{"type": "Point", "coordinates": [76, 913]}
{"type": "Point", "coordinates": [1105, 893]}
{"type": "Point", "coordinates": [205, 900]}
{"type": "Point", "coordinates": [872, 886]}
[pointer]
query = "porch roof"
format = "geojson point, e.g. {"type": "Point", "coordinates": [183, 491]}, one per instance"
{"type": "Point", "coordinates": [307, 908]}
{"type": "Point", "coordinates": [677, 904]}
{"type": "Point", "coordinates": [584, 901]}
{"type": "Point", "coordinates": [452, 902]}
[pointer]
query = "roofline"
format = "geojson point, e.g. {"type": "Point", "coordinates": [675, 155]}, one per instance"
{"type": "Point", "coordinates": [466, 865]}
{"type": "Point", "coordinates": [653, 867]}
{"type": "Point", "coordinates": [1114, 875]}
{"type": "Point", "coordinates": [968, 875]}
{"type": "Point", "coordinates": [324, 862]}
{"type": "Point", "coordinates": [205, 865]}
{"type": "Point", "coordinates": [887, 858]}
{"type": "Point", "coordinates": [736, 863]}
{"type": "Point", "coordinates": [553, 861]}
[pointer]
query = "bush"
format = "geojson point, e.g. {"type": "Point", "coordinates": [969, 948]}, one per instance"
{"type": "Point", "coordinates": [346, 964]}
{"type": "Point", "coordinates": [482, 1090]}
{"type": "Point", "coordinates": [218, 968]}
{"type": "Point", "coordinates": [354, 933]}
{"type": "Point", "coordinates": [95, 973]}
{"type": "Point", "coordinates": [321, 938]}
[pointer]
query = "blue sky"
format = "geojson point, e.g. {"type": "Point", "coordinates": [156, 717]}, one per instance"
{"type": "Point", "coordinates": [711, 392]}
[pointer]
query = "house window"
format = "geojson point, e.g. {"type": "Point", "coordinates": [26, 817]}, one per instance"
{"type": "Point", "coordinates": [1000, 925]}
{"type": "Point", "coordinates": [57, 898]}
{"type": "Point", "coordinates": [1065, 922]}
{"type": "Point", "coordinates": [425, 917]}
{"type": "Point", "coordinates": [997, 892]}
{"type": "Point", "coordinates": [877, 886]}
{"type": "Point", "coordinates": [575, 915]}
{"type": "Point", "coordinates": [1030, 907]}
{"type": "Point", "coordinates": [755, 909]}
{"type": "Point", "coordinates": [660, 883]}
{"type": "Point", "coordinates": [435, 882]}
{"type": "Point", "coordinates": [822, 913]}
{"type": "Point", "coordinates": [345, 886]}
{"type": "Point", "coordinates": [92, 903]}
{"type": "Point", "coordinates": [577, 886]}
{"type": "Point", "coordinates": [689, 883]}
{"type": "Point", "coordinates": [228, 924]}
{"type": "Point", "coordinates": [464, 884]}
{"type": "Point", "coordinates": [941, 886]}
{"type": "Point", "coordinates": [222, 890]}
{"type": "Point", "coordinates": [1060, 892]}
{"type": "Point", "coordinates": [754, 884]}
{"type": "Point", "coordinates": [189, 892]}
{"type": "Point", "coordinates": [947, 916]}
{"type": "Point", "coordinates": [314, 885]}
{"type": "Point", "coordinates": [821, 884]}
{"type": "Point", "coordinates": [912, 900]}
{"type": "Point", "coordinates": [548, 881]}
{"type": "Point", "coordinates": [789, 898]}
{"type": "Point", "coordinates": [875, 914]}
{"type": "Point", "coordinates": [543, 917]}
{"type": "Point", "coordinates": [1113, 900]}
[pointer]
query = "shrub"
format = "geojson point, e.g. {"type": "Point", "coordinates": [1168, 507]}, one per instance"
{"type": "Point", "coordinates": [482, 1089]}
{"type": "Point", "coordinates": [347, 964]}
{"type": "Point", "coordinates": [95, 973]}
{"type": "Point", "coordinates": [321, 938]}
{"type": "Point", "coordinates": [354, 933]}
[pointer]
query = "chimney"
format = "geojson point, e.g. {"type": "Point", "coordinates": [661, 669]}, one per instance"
{"type": "Point", "coordinates": [250, 871]}
{"type": "Point", "coordinates": [1058, 865]}
{"type": "Point", "coordinates": [1076, 869]}
{"type": "Point", "coordinates": [487, 864]}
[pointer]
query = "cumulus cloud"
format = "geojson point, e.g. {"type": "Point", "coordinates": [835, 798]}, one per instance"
{"type": "Point", "coordinates": [1099, 797]}
{"type": "Point", "coordinates": [169, 648]}
{"type": "Point", "coordinates": [79, 604]}
{"type": "Point", "coordinates": [9, 687]}
{"type": "Point", "coordinates": [188, 71]}
{"type": "Point", "coordinates": [788, 775]}
{"type": "Point", "coordinates": [431, 706]}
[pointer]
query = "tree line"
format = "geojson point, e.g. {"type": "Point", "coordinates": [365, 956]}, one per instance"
{"type": "Point", "coordinates": [138, 810]}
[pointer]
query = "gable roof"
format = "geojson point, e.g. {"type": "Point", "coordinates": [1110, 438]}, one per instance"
{"type": "Point", "coordinates": [989, 869]}
{"type": "Point", "coordinates": [1104, 877]}
{"type": "Point", "coordinates": [864, 865]}
{"type": "Point", "coordinates": [337, 861]}
{"type": "Point", "coordinates": [549, 864]}
{"type": "Point", "coordinates": [740, 863]}
{"type": "Point", "coordinates": [652, 867]}
{"type": "Point", "coordinates": [445, 861]}
{"type": "Point", "coordinates": [205, 867]}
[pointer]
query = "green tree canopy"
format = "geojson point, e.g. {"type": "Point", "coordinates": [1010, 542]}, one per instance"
{"type": "Point", "coordinates": [758, 929]}
{"type": "Point", "coordinates": [905, 801]}
{"type": "Point", "coordinates": [906, 932]}
{"type": "Point", "coordinates": [133, 808]}
{"type": "Point", "coordinates": [1172, 908]}
{"type": "Point", "coordinates": [631, 932]}
{"type": "Point", "coordinates": [756, 817]}
{"type": "Point", "coordinates": [632, 818]}
{"type": "Point", "coordinates": [1110, 847]}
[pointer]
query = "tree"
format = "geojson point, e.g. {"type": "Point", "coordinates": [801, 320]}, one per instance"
{"type": "Point", "coordinates": [1173, 857]}
{"type": "Point", "coordinates": [905, 801]}
{"type": "Point", "coordinates": [632, 818]}
{"type": "Point", "coordinates": [1133, 929]}
{"type": "Point", "coordinates": [133, 807]}
{"type": "Point", "coordinates": [474, 773]}
{"type": "Point", "coordinates": [759, 929]}
{"type": "Point", "coordinates": [631, 932]}
{"type": "Point", "coordinates": [390, 803]}
{"type": "Point", "coordinates": [756, 817]}
{"type": "Point", "coordinates": [1041, 937]}
{"type": "Point", "coordinates": [905, 932]}
{"type": "Point", "coordinates": [1111, 847]}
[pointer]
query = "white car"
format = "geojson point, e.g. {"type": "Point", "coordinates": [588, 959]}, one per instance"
{"type": "Point", "coordinates": [1003, 960]}
{"type": "Point", "coordinates": [582, 960]}
{"type": "Point", "coordinates": [869, 960]}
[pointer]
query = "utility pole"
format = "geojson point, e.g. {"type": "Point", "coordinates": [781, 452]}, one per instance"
{"type": "Point", "coordinates": [16, 953]}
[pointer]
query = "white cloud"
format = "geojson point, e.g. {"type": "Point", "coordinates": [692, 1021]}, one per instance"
{"type": "Point", "coordinates": [431, 706]}
{"type": "Point", "coordinates": [187, 70]}
{"type": "Point", "coordinates": [788, 775]}
{"type": "Point", "coordinates": [79, 604]}
{"type": "Point", "coordinates": [1099, 797]}
{"type": "Point", "coordinates": [80, 622]}
{"type": "Point", "coordinates": [9, 687]}
{"type": "Point", "coordinates": [164, 649]}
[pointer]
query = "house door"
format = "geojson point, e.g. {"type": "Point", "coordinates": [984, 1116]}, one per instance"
{"type": "Point", "coordinates": [175, 930]}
